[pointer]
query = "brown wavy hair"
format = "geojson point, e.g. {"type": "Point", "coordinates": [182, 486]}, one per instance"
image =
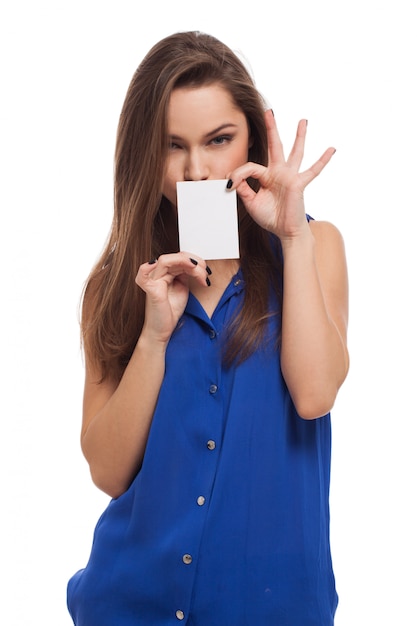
{"type": "Point", "coordinates": [144, 225]}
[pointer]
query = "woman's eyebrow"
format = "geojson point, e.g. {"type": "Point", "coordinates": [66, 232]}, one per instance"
{"type": "Point", "coordinates": [210, 133]}
{"type": "Point", "coordinates": [220, 128]}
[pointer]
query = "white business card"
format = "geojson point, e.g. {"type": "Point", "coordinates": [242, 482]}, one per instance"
{"type": "Point", "coordinates": [207, 219]}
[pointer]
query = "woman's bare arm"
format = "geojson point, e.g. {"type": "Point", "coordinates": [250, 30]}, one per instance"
{"type": "Point", "coordinates": [314, 356]}
{"type": "Point", "coordinates": [116, 419]}
{"type": "Point", "coordinates": [117, 416]}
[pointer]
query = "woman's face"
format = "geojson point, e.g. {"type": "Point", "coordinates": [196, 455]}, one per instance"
{"type": "Point", "coordinates": [208, 136]}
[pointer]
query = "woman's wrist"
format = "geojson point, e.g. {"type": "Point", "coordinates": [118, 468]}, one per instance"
{"type": "Point", "coordinates": [301, 240]}
{"type": "Point", "coordinates": [148, 343]}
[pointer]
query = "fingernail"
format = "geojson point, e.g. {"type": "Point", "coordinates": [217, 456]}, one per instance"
{"type": "Point", "coordinates": [151, 262]}
{"type": "Point", "coordinates": [273, 114]}
{"type": "Point", "coordinates": [193, 261]}
{"type": "Point", "coordinates": [208, 281]}
{"type": "Point", "coordinates": [229, 183]}
{"type": "Point", "coordinates": [208, 270]}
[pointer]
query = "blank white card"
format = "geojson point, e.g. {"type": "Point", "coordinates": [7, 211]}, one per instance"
{"type": "Point", "coordinates": [207, 219]}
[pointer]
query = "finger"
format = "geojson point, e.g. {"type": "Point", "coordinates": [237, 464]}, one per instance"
{"type": "Point", "coordinates": [245, 192]}
{"type": "Point", "coordinates": [238, 181]}
{"type": "Point", "coordinates": [171, 266]}
{"type": "Point", "coordinates": [275, 147]}
{"type": "Point", "coordinates": [248, 170]}
{"type": "Point", "coordinates": [317, 167]}
{"type": "Point", "coordinates": [297, 152]}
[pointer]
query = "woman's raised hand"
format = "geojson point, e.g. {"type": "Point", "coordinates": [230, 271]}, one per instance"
{"type": "Point", "coordinates": [166, 283]}
{"type": "Point", "coordinates": [278, 206]}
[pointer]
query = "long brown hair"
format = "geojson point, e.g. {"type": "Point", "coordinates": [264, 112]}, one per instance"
{"type": "Point", "coordinates": [144, 225]}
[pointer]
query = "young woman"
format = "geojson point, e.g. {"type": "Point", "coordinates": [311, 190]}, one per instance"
{"type": "Point", "coordinates": [209, 382]}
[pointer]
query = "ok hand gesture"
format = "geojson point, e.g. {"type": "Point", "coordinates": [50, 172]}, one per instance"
{"type": "Point", "coordinates": [278, 206]}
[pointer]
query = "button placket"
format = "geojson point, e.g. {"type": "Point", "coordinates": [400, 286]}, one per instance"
{"type": "Point", "coordinates": [204, 438]}
{"type": "Point", "coordinates": [209, 428]}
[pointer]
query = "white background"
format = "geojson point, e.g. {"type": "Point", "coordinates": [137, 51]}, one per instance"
{"type": "Point", "coordinates": [349, 67]}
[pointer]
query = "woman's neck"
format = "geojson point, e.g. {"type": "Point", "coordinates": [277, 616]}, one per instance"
{"type": "Point", "coordinates": [222, 271]}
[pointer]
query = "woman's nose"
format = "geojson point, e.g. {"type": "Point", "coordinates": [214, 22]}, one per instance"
{"type": "Point", "coordinates": [196, 167]}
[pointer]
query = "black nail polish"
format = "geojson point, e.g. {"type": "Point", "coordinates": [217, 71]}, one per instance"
{"type": "Point", "coordinates": [229, 183]}
{"type": "Point", "coordinates": [208, 270]}
{"type": "Point", "coordinates": [193, 261]}
{"type": "Point", "coordinates": [152, 261]}
{"type": "Point", "coordinates": [208, 281]}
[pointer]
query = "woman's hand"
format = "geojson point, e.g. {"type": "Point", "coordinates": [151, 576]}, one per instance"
{"type": "Point", "coordinates": [278, 206]}
{"type": "Point", "coordinates": [166, 284]}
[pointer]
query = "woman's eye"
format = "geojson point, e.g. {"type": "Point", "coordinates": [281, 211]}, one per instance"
{"type": "Point", "coordinates": [218, 141]}
{"type": "Point", "coordinates": [172, 145]}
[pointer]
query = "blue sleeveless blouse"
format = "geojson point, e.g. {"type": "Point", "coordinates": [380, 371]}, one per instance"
{"type": "Point", "coordinates": [227, 521]}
